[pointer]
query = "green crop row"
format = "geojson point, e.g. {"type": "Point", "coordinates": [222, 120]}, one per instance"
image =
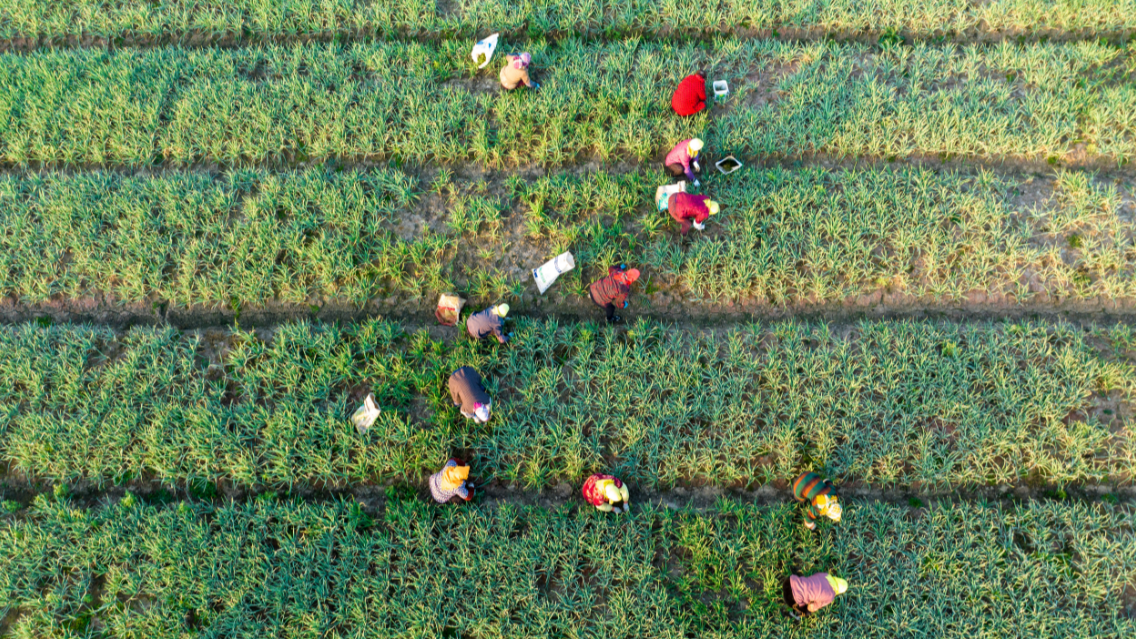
{"type": "Point", "coordinates": [885, 403]}
{"type": "Point", "coordinates": [784, 238]}
{"type": "Point", "coordinates": [190, 20]}
{"type": "Point", "coordinates": [288, 569]}
{"type": "Point", "coordinates": [428, 103]}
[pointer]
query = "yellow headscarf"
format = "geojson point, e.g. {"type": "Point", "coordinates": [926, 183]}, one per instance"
{"type": "Point", "coordinates": [453, 476]}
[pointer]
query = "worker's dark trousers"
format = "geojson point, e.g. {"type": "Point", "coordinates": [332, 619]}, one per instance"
{"type": "Point", "coordinates": [676, 170]}
{"type": "Point", "coordinates": [609, 308]}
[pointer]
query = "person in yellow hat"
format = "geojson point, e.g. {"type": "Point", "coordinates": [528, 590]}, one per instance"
{"type": "Point", "coordinates": [820, 496]}
{"type": "Point", "coordinates": [451, 483]}
{"type": "Point", "coordinates": [491, 321]}
{"type": "Point", "coordinates": [690, 210]}
{"type": "Point", "coordinates": [682, 161]}
{"type": "Point", "coordinates": [607, 493]}
{"type": "Point", "coordinates": [807, 595]}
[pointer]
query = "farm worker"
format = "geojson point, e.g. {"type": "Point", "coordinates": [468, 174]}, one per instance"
{"type": "Point", "coordinates": [691, 210]}
{"type": "Point", "coordinates": [690, 96]}
{"type": "Point", "coordinates": [809, 594]}
{"type": "Point", "coordinates": [612, 291]}
{"type": "Point", "coordinates": [490, 321]}
{"type": "Point", "coordinates": [451, 482]}
{"type": "Point", "coordinates": [820, 495]}
{"type": "Point", "coordinates": [607, 493]}
{"type": "Point", "coordinates": [683, 160]}
{"type": "Point", "coordinates": [469, 395]}
{"type": "Point", "coordinates": [516, 71]}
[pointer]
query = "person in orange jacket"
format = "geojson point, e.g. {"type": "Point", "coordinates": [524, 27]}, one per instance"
{"type": "Point", "coordinates": [612, 291]}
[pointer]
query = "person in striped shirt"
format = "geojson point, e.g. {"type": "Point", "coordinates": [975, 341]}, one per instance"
{"type": "Point", "coordinates": [451, 483]}
{"type": "Point", "coordinates": [819, 495]}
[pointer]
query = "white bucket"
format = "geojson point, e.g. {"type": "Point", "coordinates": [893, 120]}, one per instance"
{"type": "Point", "coordinates": [663, 193]}
{"type": "Point", "coordinates": [485, 47]}
{"type": "Point", "coordinates": [721, 89]}
{"type": "Point", "coordinates": [547, 273]}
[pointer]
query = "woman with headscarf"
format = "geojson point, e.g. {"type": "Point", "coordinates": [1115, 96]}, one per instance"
{"type": "Point", "coordinates": [690, 210]}
{"type": "Point", "coordinates": [682, 161]}
{"type": "Point", "coordinates": [807, 595]}
{"type": "Point", "coordinates": [451, 482]}
{"type": "Point", "coordinates": [612, 291]}
{"type": "Point", "coordinates": [469, 395]}
{"type": "Point", "coordinates": [690, 95]}
{"type": "Point", "coordinates": [516, 71]}
{"type": "Point", "coordinates": [819, 496]}
{"type": "Point", "coordinates": [607, 493]}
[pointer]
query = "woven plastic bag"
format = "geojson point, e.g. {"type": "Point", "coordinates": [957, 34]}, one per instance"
{"type": "Point", "coordinates": [449, 309]}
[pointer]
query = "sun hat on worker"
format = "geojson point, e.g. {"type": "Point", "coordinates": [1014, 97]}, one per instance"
{"type": "Point", "coordinates": [482, 412]}
{"type": "Point", "coordinates": [713, 207]}
{"type": "Point", "coordinates": [501, 310]}
{"type": "Point", "coordinates": [695, 146]}
{"type": "Point", "coordinates": [839, 586]}
{"type": "Point", "coordinates": [630, 275]}
{"type": "Point", "coordinates": [611, 491]}
{"type": "Point", "coordinates": [522, 60]}
{"type": "Point", "coordinates": [453, 476]}
{"type": "Point", "coordinates": [828, 506]}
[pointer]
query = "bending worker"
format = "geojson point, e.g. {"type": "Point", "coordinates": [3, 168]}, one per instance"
{"type": "Point", "coordinates": [690, 96]}
{"type": "Point", "coordinates": [490, 321]}
{"type": "Point", "coordinates": [469, 395]}
{"type": "Point", "coordinates": [451, 483]}
{"type": "Point", "coordinates": [820, 495]}
{"type": "Point", "coordinates": [689, 210]}
{"type": "Point", "coordinates": [516, 71]}
{"type": "Point", "coordinates": [607, 493]}
{"type": "Point", "coordinates": [683, 160]}
{"type": "Point", "coordinates": [612, 291]}
{"type": "Point", "coordinates": [807, 595]}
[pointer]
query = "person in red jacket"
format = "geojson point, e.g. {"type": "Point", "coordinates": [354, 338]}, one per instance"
{"type": "Point", "coordinates": [686, 208]}
{"type": "Point", "coordinates": [612, 291]}
{"type": "Point", "coordinates": [690, 96]}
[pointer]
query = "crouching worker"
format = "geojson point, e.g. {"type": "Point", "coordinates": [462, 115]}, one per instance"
{"type": "Point", "coordinates": [690, 96]}
{"type": "Point", "coordinates": [807, 595]}
{"type": "Point", "coordinates": [612, 291]}
{"type": "Point", "coordinates": [487, 322]}
{"type": "Point", "coordinates": [820, 497]}
{"type": "Point", "coordinates": [690, 210]}
{"type": "Point", "coordinates": [516, 72]}
{"type": "Point", "coordinates": [451, 483]}
{"type": "Point", "coordinates": [607, 493]}
{"type": "Point", "coordinates": [469, 395]}
{"type": "Point", "coordinates": [682, 161]}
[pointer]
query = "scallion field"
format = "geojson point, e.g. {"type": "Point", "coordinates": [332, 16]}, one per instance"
{"type": "Point", "coordinates": [224, 224]}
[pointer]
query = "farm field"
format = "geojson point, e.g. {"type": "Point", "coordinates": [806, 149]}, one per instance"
{"type": "Point", "coordinates": [223, 224]}
{"type": "Point", "coordinates": [285, 568]}
{"type": "Point", "coordinates": [887, 403]}
{"type": "Point", "coordinates": [423, 102]}
{"type": "Point", "coordinates": [387, 239]}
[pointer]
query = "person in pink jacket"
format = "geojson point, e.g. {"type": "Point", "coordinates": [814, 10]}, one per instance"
{"type": "Point", "coordinates": [807, 595]}
{"type": "Point", "coordinates": [682, 161]}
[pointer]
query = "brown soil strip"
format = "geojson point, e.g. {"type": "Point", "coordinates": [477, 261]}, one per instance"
{"type": "Point", "coordinates": [108, 312]}
{"type": "Point", "coordinates": [700, 498]}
